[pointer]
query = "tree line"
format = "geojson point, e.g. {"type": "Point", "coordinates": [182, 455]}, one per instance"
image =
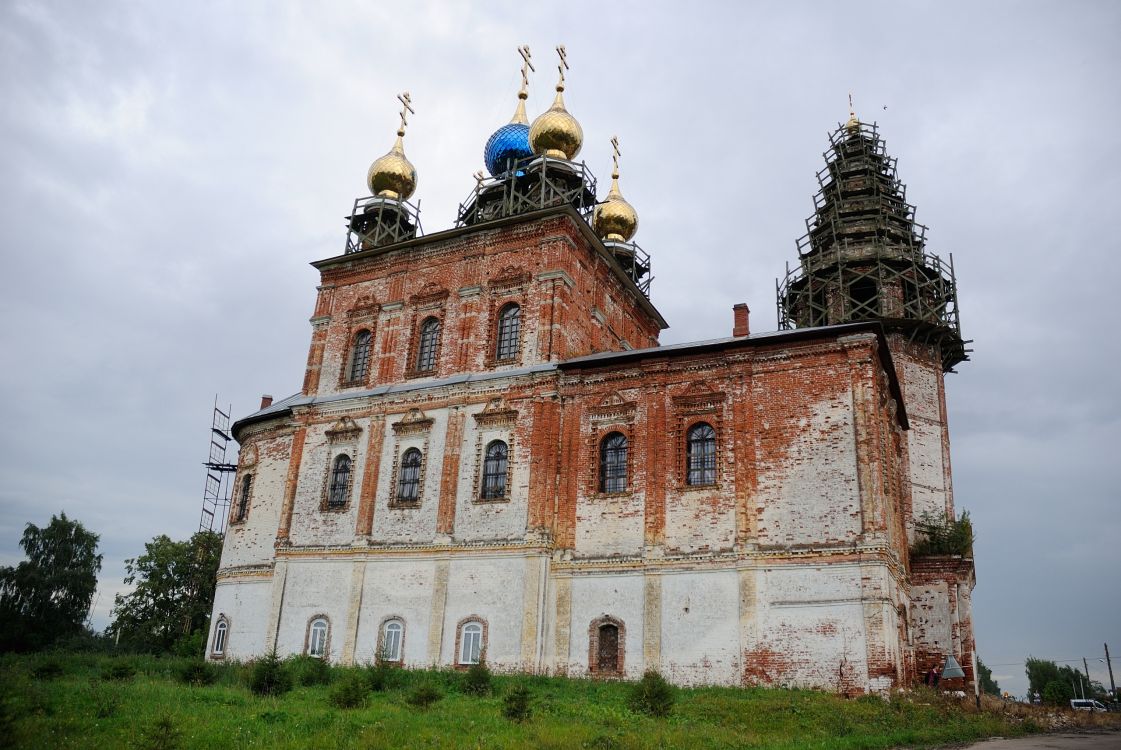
{"type": "Point", "coordinates": [45, 600]}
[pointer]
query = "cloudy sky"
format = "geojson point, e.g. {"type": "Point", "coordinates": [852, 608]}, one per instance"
{"type": "Point", "coordinates": [169, 170]}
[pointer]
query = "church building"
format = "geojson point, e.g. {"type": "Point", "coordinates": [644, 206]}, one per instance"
{"type": "Point", "coordinates": [492, 458]}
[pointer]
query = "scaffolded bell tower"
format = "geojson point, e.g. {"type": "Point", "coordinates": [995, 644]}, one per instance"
{"type": "Point", "coordinates": [864, 257]}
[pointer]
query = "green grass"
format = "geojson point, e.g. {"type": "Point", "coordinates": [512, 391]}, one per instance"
{"type": "Point", "coordinates": [79, 709]}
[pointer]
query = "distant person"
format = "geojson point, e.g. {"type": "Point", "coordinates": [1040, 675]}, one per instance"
{"type": "Point", "coordinates": [937, 676]}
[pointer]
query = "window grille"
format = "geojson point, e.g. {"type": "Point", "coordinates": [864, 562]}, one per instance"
{"type": "Point", "coordinates": [613, 463]}
{"type": "Point", "coordinates": [340, 482]}
{"type": "Point", "coordinates": [509, 332]}
{"type": "Point", "coordinates": [360, 356]}
{"type": "Point", "coordinates": [243, 498]}
{"type": "Point", "coordinates": [408, 479]}
{"type": "Point", "coordinates": [701, 455]}
{"type": "Point", "coordinates": [429, 342]}
{"type": "Point", "coordinates": [495, 464]}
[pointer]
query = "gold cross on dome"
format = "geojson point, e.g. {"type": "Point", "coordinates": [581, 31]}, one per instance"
{"type": "Point", "coordinates": [406, 109]}
{"type": "Point", "coordinates": [526, 66]}
{"type": "Point", "coordinates": [616, 154]}
{"type": "Point", "coordinates": [852, 112]}
{"type": "Point", "coordinates": [563, 63]}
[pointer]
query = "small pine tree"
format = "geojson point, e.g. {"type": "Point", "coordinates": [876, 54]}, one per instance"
{"type": "Point", "coordinates": [652, 695]}
{"type": "Point", "coordinates": [161, 735]}
{"type": "Point", "coordinates": [477, 681]}
{"type": "Point", "coordinates": [516, 705]}
{"type": "Point", "coordinates": [424, 696]}
{"type": "Point", "coordinates": [351, 691]}
{"type": "Point", "coordinates": [269, 677]}
{"type": "Point", "coordinates": [198, 673]}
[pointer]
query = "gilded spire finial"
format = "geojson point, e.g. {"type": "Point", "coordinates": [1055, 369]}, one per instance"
{"type": "Point", "coordinates": [519, 113]}
{"type": "Point", "coordinates": [853, 124]}
{"type": "Point", "coordinates": [406, 109]}
{"type": "Point", "coordinates": [393, 175]}
{"type": "Point", "coordinates": [615, 220]}
{"type": "Point", "coordinates": [562, 67]}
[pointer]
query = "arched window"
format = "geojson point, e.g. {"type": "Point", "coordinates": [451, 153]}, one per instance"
{"type": "Point", "coordinates": [243, 498]}
{"type": "Point", "coordinates": [429, 342]}
{"type": "Point", "coordinates": [607, 651]}
{"type": "Point", "coordinates": [613, 463]}
{"type": "Point", "coordinates": [495, 464]}
{"type": "Point", "coordinates": [392, 636]}
{"type": "Point", "coordinates": [408, 478]}
{"type": "Point", "coordinates": [700, 455]}
{"type": "Point", "coordinates": [340, 482]}
{"type": "Point", "coordinates": [359, 356]}
{"type": "Point", "coordinates": [509, 332]}
{"type": "Point", "coordinates": [220, 631]}
{"type": "Point", "coordinates": [471, 642]}
{"type": "Point", "coordinates": [317, 638]}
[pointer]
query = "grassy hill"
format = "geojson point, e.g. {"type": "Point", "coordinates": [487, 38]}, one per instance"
{"type": "Point", "coordinates": [87, 701]}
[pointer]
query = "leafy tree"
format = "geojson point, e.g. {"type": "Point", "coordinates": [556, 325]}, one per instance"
{"type": "Point", "coordinates": [1057, 685]}
{"type": "Point", "coordinates": [47, 596]}
{"type": "Point", "coordinates": [174, 591]}
{"type": "Point", "coordinates": [988, 684]}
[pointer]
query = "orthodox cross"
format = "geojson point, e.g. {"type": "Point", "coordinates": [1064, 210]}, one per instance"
{"type": "Point", "coordinates": [406, 107]}
{"type": "Point", "coordinates": [562, 67]}
{"type": "Point", "coordinates": [852, 112]}
{"type": "Point", "coordinates": [615, 156]}
{"type": "Point", "coordinates": [526, 66]}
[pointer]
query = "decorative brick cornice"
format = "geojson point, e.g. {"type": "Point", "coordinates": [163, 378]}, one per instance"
{"type": "Point", "coordinates": [414, 423]}
{"type": "Point", "coordinates": [344, 430]}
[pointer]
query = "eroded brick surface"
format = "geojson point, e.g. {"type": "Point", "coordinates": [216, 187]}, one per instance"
{"type": "Point", "coordinates": [792, 568]}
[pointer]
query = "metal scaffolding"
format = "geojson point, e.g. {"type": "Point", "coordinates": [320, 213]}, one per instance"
{"type": "Point", "coordinates": [216, 491]}
{"type": "Point", "coordinates": [863, 255]}
{"type": "Point", "coordinates": [377, 221]}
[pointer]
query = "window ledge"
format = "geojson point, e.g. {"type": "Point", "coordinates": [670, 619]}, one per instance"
{"type": "Point", "coordinates": [404, 504]}
{"type": "Point", "coordinates": [715, 486]}
{"type": "Point", "coordinates": [610, 495]}
{"type": "Point", "coordinates": [491, 500]}
{"type": "Point", "coordinates": [334, 508]}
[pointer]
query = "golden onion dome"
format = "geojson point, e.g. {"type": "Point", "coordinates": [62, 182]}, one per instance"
{"type": "Point", "coordinates": [853, 125]}
{"type": "Point", "coordinates": [615, 220]}
{"type": "Point", "coordinates": [555, 133]}
{"type": "Point", "coordinates": [393, 175]}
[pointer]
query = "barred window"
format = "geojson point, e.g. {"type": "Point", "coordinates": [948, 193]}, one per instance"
{"type": "Point", "coordinates": [360, 356]}
{"type": "Point", "coordinates": [509, 331]}
{"type": "Point", "coordinates": [243, 498]}
{"type": "Point", "coordinates": [429, 342]}
{"type": "Point", "coordinates": [494, 470]}
{"type": "Point", "coordinates": [700, 455]}
{"type": "Point", "coordinates": [408, 478]}
{"type": "Point", "coordinates": [613, 463]}
{"type": "Point", "coordinates": [340, 482]}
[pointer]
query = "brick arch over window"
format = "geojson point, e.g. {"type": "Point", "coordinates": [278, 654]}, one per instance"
{"type": "Point", "coordinates": [390, 646]}
{"type": "Point", "coordinates": [700, 454]}
{"type": "Point", "coordinates": [467, 624]}
{"type": "Point", "coordinates": [321, 649]}
{"type": "Point", "coordinates": [359, 361]}
{"type": "Point", "coordinates": [607, 646]}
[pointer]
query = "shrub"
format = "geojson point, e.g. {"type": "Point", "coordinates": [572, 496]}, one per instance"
{"type": "Point", "coordinates": [382, 676]}
{"type": "Point", "coordinates": [162, 734]}
{"type": "Point", "coordinates": [350, 692]}
{"type": "Point", "coordinates": [197, 673]}
{"type": "Point", "coordinates": [309, 670]}
{"type": "Point", "coordinates": [516, 705]}
{"type": "Point", "coordinates": [269, 677]}
{"type": "Point", "coordinates": [939, 534]}
{"type": "Point", "coordinates": [477, 680]}
{"type": "Point", "coordinates": [423, 696]}
{"type": "Point", "coordinates": [48, 669]}
{"type": "Point", "coordinates": [118, 671]}
{"type": "Point", "coordinates": [652, 695]}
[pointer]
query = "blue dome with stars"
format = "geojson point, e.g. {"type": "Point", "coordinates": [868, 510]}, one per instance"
{"type": "Point", "coordinates": [509, 143]}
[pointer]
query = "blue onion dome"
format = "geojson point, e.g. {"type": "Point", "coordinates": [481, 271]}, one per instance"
{"type": "Point", "coordinates": [508, 144]}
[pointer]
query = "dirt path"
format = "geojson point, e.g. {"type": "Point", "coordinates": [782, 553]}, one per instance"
{"type": "Point", "coordinates": [1061, 741]}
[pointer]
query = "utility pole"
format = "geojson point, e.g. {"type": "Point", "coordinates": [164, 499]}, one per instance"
{"type": "Point", "coordinates": [1086, 667]}
{"type": "Point", "coordinates": [1108, 663]}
